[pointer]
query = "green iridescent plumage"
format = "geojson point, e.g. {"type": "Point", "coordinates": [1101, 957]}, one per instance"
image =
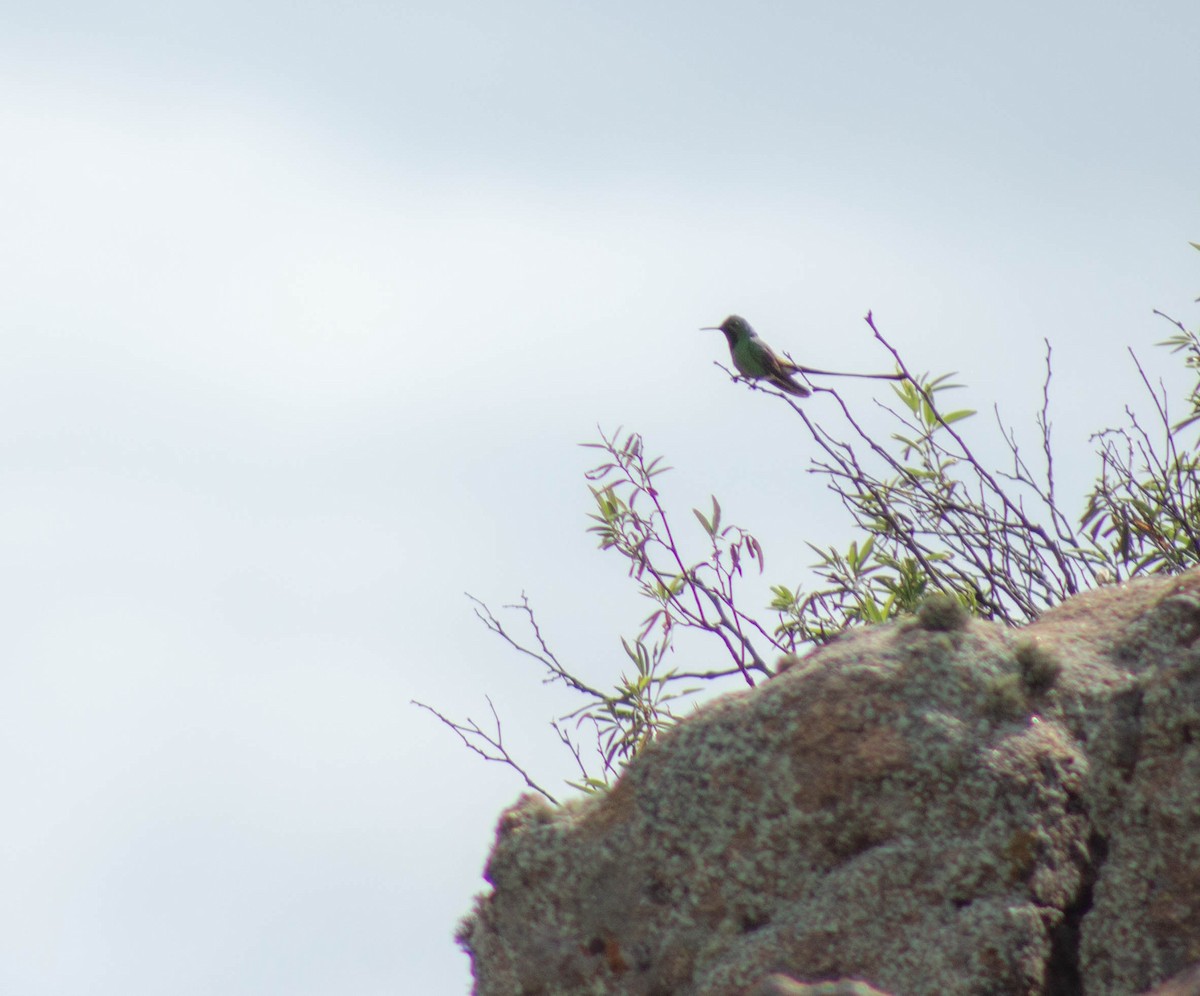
{"type": "Point", "coordinates": [755, 359]}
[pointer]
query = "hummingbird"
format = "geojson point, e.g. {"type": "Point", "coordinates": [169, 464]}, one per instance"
{"type": "Point", "coordinates": [755, 360]}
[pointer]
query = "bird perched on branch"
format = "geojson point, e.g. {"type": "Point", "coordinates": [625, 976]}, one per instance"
{"type": "Point", "coordinates": [755, 360]}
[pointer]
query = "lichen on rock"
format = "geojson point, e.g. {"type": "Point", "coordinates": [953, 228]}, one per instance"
{"type": "Point", "coordinates": [941, 808]}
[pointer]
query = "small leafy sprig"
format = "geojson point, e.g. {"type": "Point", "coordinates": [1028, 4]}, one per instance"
{"type": "Point", "coordinates": [697, 594]}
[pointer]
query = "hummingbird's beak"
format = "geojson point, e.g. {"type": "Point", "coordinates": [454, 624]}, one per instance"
{"type": "Point", "coordinates": [710, 328]}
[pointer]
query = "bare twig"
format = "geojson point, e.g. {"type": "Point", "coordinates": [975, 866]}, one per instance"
{"type": "Point", "coordinates": [493, 750]}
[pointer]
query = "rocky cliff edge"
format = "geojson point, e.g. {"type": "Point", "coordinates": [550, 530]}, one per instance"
{"type": "Point", "coordinates": [936, 806]}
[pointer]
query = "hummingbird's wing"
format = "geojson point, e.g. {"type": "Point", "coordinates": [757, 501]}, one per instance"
{"type": "Point", "coordinates": [775, 365]}
{"type": "Point", "coordinates": [779, 371]}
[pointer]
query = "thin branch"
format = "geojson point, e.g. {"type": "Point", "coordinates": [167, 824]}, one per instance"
{"type": "Point", "coordinates": [470, 732]}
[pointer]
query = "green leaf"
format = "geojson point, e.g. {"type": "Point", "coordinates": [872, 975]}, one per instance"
{"type": "Point", "coordinates": [867, 548]}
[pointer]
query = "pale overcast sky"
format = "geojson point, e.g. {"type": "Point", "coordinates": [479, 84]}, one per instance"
{"type": "Point", "coordinates": [305, 308]}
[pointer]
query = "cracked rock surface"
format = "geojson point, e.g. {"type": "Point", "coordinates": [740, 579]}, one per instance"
{"type": "Point", "coordinates": [934, 806]}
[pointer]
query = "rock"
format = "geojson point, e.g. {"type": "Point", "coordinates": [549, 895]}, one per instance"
{"type": "Point", "coordinates": [935, 806]}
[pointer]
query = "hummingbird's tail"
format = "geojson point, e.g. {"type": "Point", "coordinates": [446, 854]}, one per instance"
{"type": "Point", "coordinates": [793, 367]}
{"type": "Point", "coordinates": [789, 386]}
